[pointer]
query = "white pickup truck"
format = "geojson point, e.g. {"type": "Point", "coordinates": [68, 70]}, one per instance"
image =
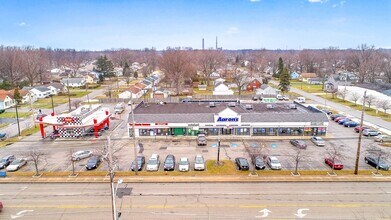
{"type": "Point", "coordinates": [119, 108]}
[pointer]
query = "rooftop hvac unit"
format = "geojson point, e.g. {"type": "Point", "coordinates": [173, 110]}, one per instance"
{"type": "Point", "coordinates": [269, 106]}
{"type": "Point", "coordinates": [292, 106]}
{"type": "Point", "coordinates": [212, 104]}
{"type": "Point", "coordinates": [248, 107]}
{"type": "Point", "coordinates": [231, 104]}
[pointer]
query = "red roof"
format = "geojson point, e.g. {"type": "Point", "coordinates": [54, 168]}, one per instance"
{"type": "Point", "coordinates": [134, 89]}
{"type": "Point", "coordinates": [140, 85]}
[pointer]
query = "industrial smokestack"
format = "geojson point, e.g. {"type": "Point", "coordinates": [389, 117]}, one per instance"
{"type": "Point", "coordinates": [216, 43]}
{"type": "Point", "coordinates": [203, 44]}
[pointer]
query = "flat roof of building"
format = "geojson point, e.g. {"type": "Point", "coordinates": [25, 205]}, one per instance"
{"type": "Point", "coordinates": [202, 112]}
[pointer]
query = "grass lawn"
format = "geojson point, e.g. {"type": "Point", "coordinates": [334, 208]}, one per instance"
{"type": "Point", "coordinates": [208, 91]}
{"type": "Point", "coordinates": [46, 103]}
{"type": "Point", "coordinates": [24, 133]}
{"type": "Point", "coordinates": [13, 115]}
{"type": "Point", "coordinates": [307, 87]}
{"type": "Point", "coordinates": [372, 112]}
{"type": "Point", "coordinates": [3, 125]}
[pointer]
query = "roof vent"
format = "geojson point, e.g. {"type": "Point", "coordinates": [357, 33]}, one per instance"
{"type": "Point", "coordinates": [248, 107]}
{"type": "Point", "coordinates": [231, 104]}
{"type": "Point", "coordinates": [212, 104]}
{"type": "Point", "coordinates": [269, 106]}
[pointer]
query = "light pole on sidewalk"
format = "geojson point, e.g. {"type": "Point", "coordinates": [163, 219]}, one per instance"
{"type": "Point", "coordinates": [17, 117]}
{"type": "Point", "coordinates": [360, 135]}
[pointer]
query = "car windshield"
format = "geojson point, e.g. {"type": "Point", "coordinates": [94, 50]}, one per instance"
{"type": "Point", "coordinates": [275, 161]}
{"type": "Point", "coordinates": [169, 161]}
{"type": "Point", "coordinates": [17, 161]}
{"type": "Point", "coordinates": [152, 162]}
{"type": "Point", "coordinates": [3, 160]}
{"type": "Point", "coordinates": [258, 160]}
{"type": "Point", "coordinates": [199, 160]}
{"type": "Point", "coordinates": [183, 162]}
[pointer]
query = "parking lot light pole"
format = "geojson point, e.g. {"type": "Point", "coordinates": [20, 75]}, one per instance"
{"type": "Point", "coordinates": [114, 196]}
{"type": "Point", "coordinates": [134, 135]}
{"type": "Point", "coordinates": [360, 135]}
{"type": "Point", "coordinates": [17, 117]}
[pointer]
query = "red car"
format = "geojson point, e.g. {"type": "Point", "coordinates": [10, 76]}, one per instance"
{"type": "Point", "coordinates": [336, 163]}
{"type": "Point", "coordinates": [338, 119]}
{"type": "Point", "coordinates": [1, 206]}
{"type": "Point", "coordinates": [359, 128]}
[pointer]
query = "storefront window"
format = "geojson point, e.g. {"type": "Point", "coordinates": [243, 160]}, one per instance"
{"type": "Point", "coordinates": [242, 131]}
{"type": "Point", "coordinates": [146, 132]}
{"type": "Point", "coordinates": [212, 131]}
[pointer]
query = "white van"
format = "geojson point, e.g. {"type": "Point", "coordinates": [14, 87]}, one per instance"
{"type": "Point", "coordinates": [300, 99]}
{"type": "Point", "coordinates": [119, 108]}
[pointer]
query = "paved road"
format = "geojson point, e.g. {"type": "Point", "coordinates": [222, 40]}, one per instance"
{"type": "Point", "coordinates": [342, 108]}
{"type": "Point", "coordinates": [200, 201]}
{"type": "Point", "coordinates": [12, 130]}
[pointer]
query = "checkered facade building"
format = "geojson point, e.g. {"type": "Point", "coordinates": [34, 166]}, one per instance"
{"type": "Point", "coordinates": [70, 132]}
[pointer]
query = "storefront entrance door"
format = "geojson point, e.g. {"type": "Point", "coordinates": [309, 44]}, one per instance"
{"type": "Point", "coordinates": [227, 131]}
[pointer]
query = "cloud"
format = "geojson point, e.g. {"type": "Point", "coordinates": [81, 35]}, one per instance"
{"type": "Point", "coordinates": [22, 24]}
{"type": "Point", "coordinates": [232, 30]}
{"type": "Point", "coordinates": [255, 0]}
{"type": "Point", "coordinates": [317, 1]}
{"type": "Point", "coordinates": [340, 4]}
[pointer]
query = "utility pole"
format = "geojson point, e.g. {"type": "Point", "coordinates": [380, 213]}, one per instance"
{"type": "Point", "coordinates": [17, 117]}
{"type": "Point", "coordinates": [32, 109]}
{"type": "Point", "coordinates": [51, 97]}
{"type": "Point", "coordinates": [134, 135]}
{"type": "Point", "coordinates": [111, 173]}
{"type": "Point", "coordinates": [218, 149]}
{"type": "Point", "coordinates": [69, 96]}
{"type": "Point", "coordinates": [360, 135]}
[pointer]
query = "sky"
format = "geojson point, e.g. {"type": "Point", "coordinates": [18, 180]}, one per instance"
{"type": "Point", "coordinates": [238, 24]}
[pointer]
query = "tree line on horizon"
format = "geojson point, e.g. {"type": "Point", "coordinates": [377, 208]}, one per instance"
{"type": "Point", "coordinates": [30, 66]}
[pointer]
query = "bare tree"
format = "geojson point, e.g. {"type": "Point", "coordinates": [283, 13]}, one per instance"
{"type": "Point", "coordinates": [299, 155]}
{"type": "Point", "coordinates": [240, 79]}
{"type": "Point", "coordinates": [76, 102]}
{"type": "Point", "coordinates": [37, 156]}
{"type": "Point", "coordinates": [384, 104]}
{"type": "Point", "coordinates": [208, 61]}
{"type": "Point", "coordinates": [343, 93]}
{"type": "Point", "coordinates": [363, 61]}
{"type": "Point", "coordinates": [370, 99]}
{"type": "Point", "coordinates": [177, 66]}
{"type": "Point", "coordinates": [355, 97]}
{"type": "Point", "coordinates": [334, 153]}
{"type": "Point", "coordinates": [386, 68]}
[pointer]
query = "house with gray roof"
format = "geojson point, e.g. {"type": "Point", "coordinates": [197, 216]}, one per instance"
{"type": "Point", "coordinates": [228, 119]}
{"type": "Point", "coordinates": [41, 92]}
{"type": "Point", "coordinates": [73, 82]}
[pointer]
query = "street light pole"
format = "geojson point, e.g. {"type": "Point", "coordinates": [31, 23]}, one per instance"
{"type": "Point", "coordinates": [17, 117]}
{"type": "Point", "coordinates": [69, 96]}
{"type": "Point", "coordinates": [134, 135]}
{"type": "Point", "coordinates": [360, 135]}
{"type": "Point", "coordinates": [51, 96]}
{"type": "Point", "coordinates": [115, 214]}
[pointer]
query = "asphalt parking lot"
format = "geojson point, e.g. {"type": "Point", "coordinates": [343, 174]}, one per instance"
{"type": "Point", "coordinates": [57, 152]}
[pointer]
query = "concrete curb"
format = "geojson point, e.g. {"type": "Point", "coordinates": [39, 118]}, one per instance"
{"type": "Point", "coordinates": [199, 179]}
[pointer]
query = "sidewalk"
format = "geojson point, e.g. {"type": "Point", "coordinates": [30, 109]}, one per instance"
{"type": "Point", "coordinates": [199, 179]}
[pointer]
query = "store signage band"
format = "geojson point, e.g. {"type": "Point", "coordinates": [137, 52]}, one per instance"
{"type": "Point", "coordinates": [223, 119]}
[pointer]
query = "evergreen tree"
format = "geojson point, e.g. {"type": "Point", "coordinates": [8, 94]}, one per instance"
{"type": "Point", "coordinates": [105, 66]}
{"type": "Point", "coordinates": [280, 68]}
{"type": "Point", "coordinates": [135, 74]}
{"type": "Point", "coordinates": [285, 83]}
{"type": "Point", "coordinates": [17, 96]}
{"type": "Point", "coordinates": [101, 78]}
{"type": "Point", "coordinates": [126, 69]}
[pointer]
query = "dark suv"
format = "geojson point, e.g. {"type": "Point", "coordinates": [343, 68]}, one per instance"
{"type": "Point", "coordinates": [7, 160]}
{"type": "Point", "coordinates": [140, 163]}
{"type": "Point", "coordinates": [258, 163]}
{"type": "Point", "coordinates": [169, 163]}
{"type": "Point", "coordinates": [201, 139]}
{"type": "Point", "coordinates": [376, 162]}
{"type": "Point", "coordinates": [299, 144]}
{"type": "Point", "coordinates": [242, 163]}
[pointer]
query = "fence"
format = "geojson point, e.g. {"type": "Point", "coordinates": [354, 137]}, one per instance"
{"type": "Point", "coordinates": [148, 100]}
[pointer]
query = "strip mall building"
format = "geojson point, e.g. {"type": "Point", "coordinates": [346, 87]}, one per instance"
{"type": "Point", "coordinates": [227, 119]}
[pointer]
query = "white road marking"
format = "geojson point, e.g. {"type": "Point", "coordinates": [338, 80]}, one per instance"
{"type": "Point", "coordinates": [20, 214]}
{"type": "Point", "coordinates": [265, 213]}
{"type": "Point", "coordinates": [300, 213]}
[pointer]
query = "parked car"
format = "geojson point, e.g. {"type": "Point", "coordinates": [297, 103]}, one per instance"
{"type": "Point", "coordinates": [78, 155]}
{"type": "Point", "coordinates": [327, 112]}
{"type": "Point", "coordinates": [55, 135]}
{"type": "Point", "coordinates": [376, 162]}
{"type": "Point", "coordinates": [153, 163]}
{"type": "Point", "coordinates": [242, 163]}
{"type": "Point", "coordinates": [16, 164]}
{"type": "Point", "coordinates": [336, 164]}
{"type": "Point", "coordinates": [273, 163]}
{"type": "Point", "coordinates": [342, 121]}
{"type": "Point", "coordinates": [383, 138]}
{"type": "Point", "coordinates": [258, 162]}
{"type": "Point", "coordinates": [169, 163]}
{"type": "Point", "coordinates": [140, 163]}
{"type": "Point", "coordinates": [93, 162]}
{"type": "Point", "coordinates": [184, 164]}
{"type": "Point", "coordinates": [350, 124]}
{"type": "Point", "coordinates": [370, 132]}
{"type": "Point", "coordinates": [119, 108]}
{"type": "Point", "coordinates": [318, 141]}
{"type": "Point", "coordinates": [1, 206]}
{"type": "Point", "coordinates": [199, 162]}
{"type": "Point", "coordinates": [339, 118]}
{"type": "Point", "coordinates": [299, 144]}
{"type": "Point", "coordinates": [300, 100]}
{"type": "Point", "coordinates": [334, 116]}
{"type": "Point", "coordinates": [91, 132]}
{"type": "Point", "coordinates": [7, 160]}
{"type": "Point", "coordinates": [359, 128]}
{"type": "Point", "coordinates": [3, 136]}
{"type": "Point", "coordinates": [201, 139]}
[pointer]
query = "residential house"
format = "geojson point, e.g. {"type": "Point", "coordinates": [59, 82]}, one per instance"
{"type": "Point", "coordinates": [222, 89]}
{"type": "Point", "coordinates": [57, 88]}
{"type": "Point", "coordinates": [91, 78]}
{"type": "Point", "coordinates": [295, 75]}
{"type": "Point", "coordinates": [133, 92]}
{"type": "Point", "coordinates": [41, 92]}
{"type": "Point", "coordinates": [74, 82]}
{"type": "Point", "coordinates": [6, 101]}
{"type": "Point", "coordinates": [27, 96]}
{"type": "Point", "coordinates": [218, 81]}
{"type": "Point", "coordinates": [148, 84]}
{"type": "Point", "coordinates": [253, 85]}
{"type": "Point", "coordinates": [306, 76]}
{"type": "Point", "coordinates": [214, 75]}
{"type": "Point", "coordinates": [315, 81]}
{"type": "Point", "coordinates": [267, 91]}
{"type": "Point", "coordinates": [160, 94]}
